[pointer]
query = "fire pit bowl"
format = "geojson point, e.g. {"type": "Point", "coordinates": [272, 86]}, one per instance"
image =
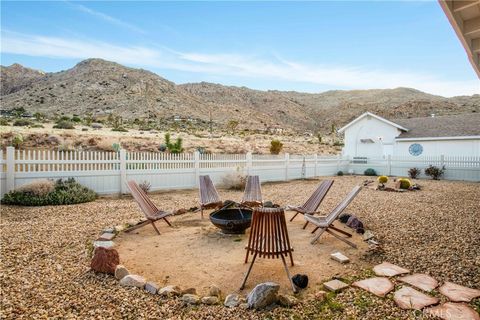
{"type": "Point", "coordinates": [232, 220]}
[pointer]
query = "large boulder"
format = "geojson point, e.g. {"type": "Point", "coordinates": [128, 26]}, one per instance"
{"type": "Point", "coordinates": [190, 298]}
{"type": "Point", "coordinates": [263, 295]}
{"type": "Point", "coordinates": [105, 260]}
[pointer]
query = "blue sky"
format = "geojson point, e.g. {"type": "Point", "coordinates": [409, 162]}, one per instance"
{"type": "Point", "coordinates": [303, 46]}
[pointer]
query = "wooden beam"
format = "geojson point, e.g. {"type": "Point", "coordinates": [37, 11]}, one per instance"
{"type": "Point", "coordinates": [471, 26]}
{"type": "Point", "coordinates": [461, 5]}
{"type": "Point", "coordinates": [476, 45]}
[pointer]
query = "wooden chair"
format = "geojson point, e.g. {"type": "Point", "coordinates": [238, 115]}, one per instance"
{"type": "Point", "coordinates": [252, 196]}
{"type": "Point", "coordinates": [312, 204]}
{"type": "Point", "coordinates": [269, 239]}
{"type": "Point", "coordinates": [209, 197]}
{"type": "Point", "coordinates": [151, 212]}
{"type": "Point", "coordinates": [326, 223]}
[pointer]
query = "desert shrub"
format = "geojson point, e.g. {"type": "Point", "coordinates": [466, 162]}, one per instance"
{"type": "Point", "coordinates": [276, 146]}
{"type": "Point", "coordinates": [162, 147]}
{"type": "Point", "coordinates": [37, 125]}
{"type": "Point", "coordinates": [22, 122]}
{"type": "Point", "coordinates": [4, 122]}
{"type": "Point", "coordinates": [17, 141]}
{"type": "Point", "coordinates": [38, 187]}
{"type": "Point", "coordinates": [382, 179]}
{"type": "Point", "coordinates": [413, 173]}
{"type": "Point", "coordinates": [76, 119]}
{"type": "Point", "coordinates": [370, 172]}
{"type": "Point", "coordinates": [64, 192]}
{"type": "Point", "coordinates": [338, 144]}
{"type": "Point", "coordinates": [64, 124]}
{"type": "Point", "coordinates": [145, 186]}
{"type": "Point", "coordinates": [120, 129]}
{"type": "Point", "coordinates": [234, 181]}
{"type": "Point", "coordinates": [173, 147]}
{"type": "Point", "coordinates": [84, 129]}
{"type": "Point", "coordinates": [404, 183]}
{"type": "Point", "coordinates": [340, 173]}
{"type": "Point", "coordinates": [435, 172]}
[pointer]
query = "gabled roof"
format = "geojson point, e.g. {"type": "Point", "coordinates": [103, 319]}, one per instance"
{"type": "Point", "coordinates": [373, 116]}
{"type": "Point", "coordinates": [461, 125]}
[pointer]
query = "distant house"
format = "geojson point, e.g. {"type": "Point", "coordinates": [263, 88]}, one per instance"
{"type": "Point", "coordinates": [372, 136]}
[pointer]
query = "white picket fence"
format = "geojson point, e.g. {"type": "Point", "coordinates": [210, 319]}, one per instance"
{"type": "Point", "coordinates": [107, 172]}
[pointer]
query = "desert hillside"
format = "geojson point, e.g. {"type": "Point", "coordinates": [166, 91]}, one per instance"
{"type": "Point", "coordinates": [99, 88]}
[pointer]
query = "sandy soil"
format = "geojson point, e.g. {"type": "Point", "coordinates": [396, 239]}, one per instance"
{"type": "Point", "coordinates": [195, 254]}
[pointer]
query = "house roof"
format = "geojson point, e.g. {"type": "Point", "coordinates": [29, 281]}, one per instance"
{"type": "Point", "coordinates": [374, 116]}
{"type": "Point", "coordinates": [441, 126]}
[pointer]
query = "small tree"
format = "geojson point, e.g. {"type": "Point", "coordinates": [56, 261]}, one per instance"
{"type": "Point", "coordinates": [414, 172]}
{"type": "Point", "coordinates": [276, 146]}
{"type": "Point", "coordinates": [232, 125]}
{"type": "Point", "coordinates": [435, 172]}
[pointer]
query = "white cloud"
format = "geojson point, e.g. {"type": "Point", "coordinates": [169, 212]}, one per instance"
{"type": "Point", "coordinates": [235, 65]}
{"type": "Point", "coordinates": [106, 17]}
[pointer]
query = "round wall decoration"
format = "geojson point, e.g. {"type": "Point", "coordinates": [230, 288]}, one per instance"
{"type": "Point", "coordinates": [415, 149]}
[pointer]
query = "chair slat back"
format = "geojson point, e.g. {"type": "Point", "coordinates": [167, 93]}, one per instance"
{"type": "Point", "coordinates": [317, 196]}
{"type": "Point", "coordinates": [253, 191]}
{"type": "Point", "coordinates": [208, 193]}
{"type": "Point", "coordinates": [268, 234]}
{"type": "Point", "coordinates": [343, 205]}
{"type": "Point", "coordinates": [143, 201]}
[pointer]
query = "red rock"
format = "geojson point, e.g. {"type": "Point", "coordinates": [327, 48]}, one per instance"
{"type": "Point", "coordinates": [453, 311]}
{"type": "Point", "coordinates": [388, 270]}
{"type": "Point", "coordinates": [409, 298]}
{"type": "Point", "coordinates": [420, 281]}
{"type": "Point", "coordinates": [379, 286]}
{"type": "Point", "coordinates": [105, 260]}
{"type": "Point", "coordinates": [458, 293]}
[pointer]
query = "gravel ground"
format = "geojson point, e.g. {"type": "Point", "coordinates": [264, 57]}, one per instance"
{"type": "Point", "coordinates": [44, 253]}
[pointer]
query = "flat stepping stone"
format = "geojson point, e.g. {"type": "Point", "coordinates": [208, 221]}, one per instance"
{"type": "Point", "coordinates": [340, 257]}
{"type": "Point", "coordinates": [104, 244]}
{"type": "Point", "coordinates": [387, 269]}
{"type": "Point", "coordinates": [409, 298]}
{"type": "Point", "coordinates": [106, 236]}
{"type": "Point", "coordinates": [420, 281]}
{"type": "Point", "coordinates": [453, 311]}
{"type": "Point", "coordinates": [379, 286]}
{"type": "Point", "coordinates": [458, 293]}
{"type": "Point", "coordinates": [335, 285]}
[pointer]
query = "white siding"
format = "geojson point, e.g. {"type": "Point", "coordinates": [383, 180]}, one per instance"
{"type": "Point", "coordinates": [369, 128]}
{"type": "Point", "coordinates": [441, 147]}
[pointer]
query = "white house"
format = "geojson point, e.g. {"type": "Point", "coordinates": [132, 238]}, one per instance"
{"type": "Point", "coordinates": [372, 136]}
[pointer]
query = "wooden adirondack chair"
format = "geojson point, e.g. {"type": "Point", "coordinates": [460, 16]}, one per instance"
{"type": "Point", "coordinates": [312, 204]}
{"type": "Point", "coordinates": [151, 212]}
{"type": "Point", "coordinates": [326, 223]}
{"type": "Point", "coordinates": [209, 197]}
{"type": "Point", "coordinates": [268, 239]}
{"type": "Point", "coordinates": [252, 196]}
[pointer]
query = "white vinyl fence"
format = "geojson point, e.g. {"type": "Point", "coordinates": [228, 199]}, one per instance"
{"type": "Point", "coordinates": [107, 172]}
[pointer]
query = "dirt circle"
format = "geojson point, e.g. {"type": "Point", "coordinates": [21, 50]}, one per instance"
{"type": "Point", "coordinates": [194, 253]}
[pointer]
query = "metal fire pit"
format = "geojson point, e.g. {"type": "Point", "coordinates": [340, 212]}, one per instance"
{"type": "Point", "coordinates": [232, 220]}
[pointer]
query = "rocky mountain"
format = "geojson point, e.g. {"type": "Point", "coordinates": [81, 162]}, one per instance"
{"type": "Point", "coordinates": [101, 87]}
{"type": "Point", "coordinates": [16, 77]}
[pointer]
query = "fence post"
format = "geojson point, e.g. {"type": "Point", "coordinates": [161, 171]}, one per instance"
{"type": "Point", "coordinates": [389, 165]}
{"type": "Point", "coordinates": [287, 163]}
{"type": "Point", "coordinates": [442, 160]}
{"type": "Point", "coordinates": [10, 183]}
{"type": "Point", "coordinates": [123, 171]}
{"type": "Point", "coordinates": [315, 172]}
{"type": "Point", "coordinates": [249, 157]}
{"type": "Point", "coordinates": [196, 164]}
